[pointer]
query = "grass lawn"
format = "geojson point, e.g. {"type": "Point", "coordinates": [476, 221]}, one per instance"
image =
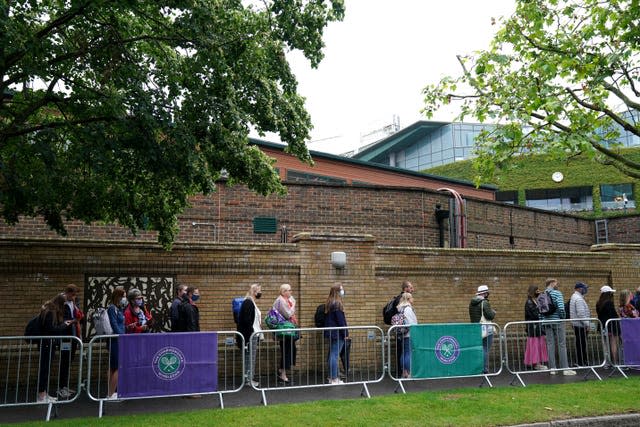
{"type": "Point", "coordinates": [457, 407]}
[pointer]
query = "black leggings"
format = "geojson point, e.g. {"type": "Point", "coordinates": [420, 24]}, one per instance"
{"type": "Point", "coordinates": [287, 352]}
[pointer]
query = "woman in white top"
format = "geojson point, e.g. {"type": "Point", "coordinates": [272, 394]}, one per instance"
{"type": "Point", "coordinates": [286, 305]}
{"type": "Point", "coordinates": [249, 320]}
{"type": "Point", "coordinates": [405, 306]}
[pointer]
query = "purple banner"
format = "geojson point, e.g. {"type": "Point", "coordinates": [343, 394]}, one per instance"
{"type": "Point", "coordinates": [166, 364]}
{"type": "Point", "coordinates": [631, 341]}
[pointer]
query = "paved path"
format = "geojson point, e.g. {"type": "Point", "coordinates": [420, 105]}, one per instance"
{"type": "Point", "coordinates": [84, 407]}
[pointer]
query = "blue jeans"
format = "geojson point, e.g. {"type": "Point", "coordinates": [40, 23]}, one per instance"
{"type": "Point", "coordinates": [334, 352]}
{"type": "Point", "coordinates": [405, 354]}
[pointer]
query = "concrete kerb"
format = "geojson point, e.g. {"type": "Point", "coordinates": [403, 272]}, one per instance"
{"type": "Point", "coordinates": [622, 420]}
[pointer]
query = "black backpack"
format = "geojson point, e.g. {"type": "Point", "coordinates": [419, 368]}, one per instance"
{"type": "Point", "coordinates": [318, 318]}
{"type": "Point", "coordinates": [390, 309]}
{"type": "Point", "coordinates": [33, 328]}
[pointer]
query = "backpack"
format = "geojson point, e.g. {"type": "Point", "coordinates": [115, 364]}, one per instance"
{"type": "Point", "coordinates": [398, 319]}
{"type": "Point", "coordinates": [33, 328]}
{"type": "Point", "coordinates": [318, 318]}
{"type": "Point", "coordinates": [100, 320]}
{"type": "Point", "coordinates": [546, 306]}
{"type": "Point", "coordinates": [390, 310]}
{"type": "Point", "coordinates": [236, 303]}
{"type": "Point", "coordinates": [567, 309]}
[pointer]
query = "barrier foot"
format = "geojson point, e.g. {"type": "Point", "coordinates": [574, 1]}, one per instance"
{"type": "Point", "coordinates": [100, 405]}
{"type": "Point", "coordinates": [264, 398]}
{"type": "Point", "coordinates": [519, 379]}
{"type": "Point", "coordinates": [400, 386]}
{"type": "Point", "coordinates": [589, 371]}
{"type": "Point", "coordinates": [485, 379]}
{"type": "Point", "coordinates": [365, 391]}
{"type": "Point", "coordinates": [221, 401]}
{"type": "Point", "coordinates": [621, 372]}
{"type": "Point", "coordinates": [49, 408]}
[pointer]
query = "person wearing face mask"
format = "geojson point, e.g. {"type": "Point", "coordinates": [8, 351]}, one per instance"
{"type": "Point", "coordinates": [249, 322]}
{"type": "Point", "coordinates": [137, 318]}
{"type": "Point", "coordinates": [188, 311]}
{"type": "Point", "coordinates": [335, 318]}
{"type": "Point", "coordinates": [535, 353]}
{"type": "Point", "coordinates": [116, 319]}
{"type": "Point", "coordinates": [579, 313]}
{"type": "Point", "coordinates": [173, 313]}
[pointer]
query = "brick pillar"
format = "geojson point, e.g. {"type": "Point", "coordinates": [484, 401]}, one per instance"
{"type": "Point", "coordinates": [317, 274]}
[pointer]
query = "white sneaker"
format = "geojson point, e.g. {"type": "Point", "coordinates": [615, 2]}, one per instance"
{"type": "Point", "coordinates": [553, 372]}
{"type": "Point", "coordinates": [114, 396]}
{"type": "Point", "coordinates": [47, 399]}
{"type": "Point", "coordinates": [569, 372]}
{"type": "Point", "coordinates": [255, 383]}
{"type": "Point", "coordinates": [337, 381]}
{"type": "Point", "coordinates": [540, 367]}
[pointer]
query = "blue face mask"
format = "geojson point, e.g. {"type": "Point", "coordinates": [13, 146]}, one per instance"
{"type": "Point", "coordinates": [195, 298]}
{"type": "Point", "coordinates": [139, 302]}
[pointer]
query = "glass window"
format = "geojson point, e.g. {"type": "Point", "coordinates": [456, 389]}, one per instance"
{"type": "Point", "coordinates": [560, 199]}
{"type": "Point", "coordinates": [617, 196]}
{"type": "Point", "coordinates": [509, 197]}
{"type": "Point", "coordinates": [297, 176]}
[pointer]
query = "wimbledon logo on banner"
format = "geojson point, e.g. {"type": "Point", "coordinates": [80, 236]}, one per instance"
{"type": "Point", "coordinates": [168, 363]}
{"type": "Point", "coordinates": [447, 349]}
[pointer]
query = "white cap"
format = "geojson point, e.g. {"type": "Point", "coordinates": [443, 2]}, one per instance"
{"type": "Point", "coordinates": [482, 289]}
{"type": "Point", "coordinates": [606, 288]}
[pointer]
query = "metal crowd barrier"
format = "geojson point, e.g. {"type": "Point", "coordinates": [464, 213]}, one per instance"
{"type": "Point", "coordinates": [541, 346]}
{"type": "Point", "coordinates": [40, 364]}
{"type": "Point", "coordinates": [360, 362]}
{"type": "Point", "coordinates": [230, 369]}
{"type": "Point", "coordinates": [52, 363]}
{"type": "Point", "coordinates": [616, 336]}
{"type": "Point", "coordinates": [397, 345]}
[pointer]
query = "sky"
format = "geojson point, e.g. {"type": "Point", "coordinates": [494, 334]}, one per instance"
{"type": "Point", "coordinates": [378, 59]}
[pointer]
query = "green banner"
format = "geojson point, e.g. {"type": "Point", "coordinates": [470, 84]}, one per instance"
{"type": "Point", "coordinates": [446, 350]}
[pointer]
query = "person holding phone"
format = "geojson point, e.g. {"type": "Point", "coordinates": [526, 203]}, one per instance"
{"type": "Point", "coordinates": [53, 324]}
{"type": "Point", "coordinates": [73, 315]}
{"type": "Point", "coordinates": [137, 318]}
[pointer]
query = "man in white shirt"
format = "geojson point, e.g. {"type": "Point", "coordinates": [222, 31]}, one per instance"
{"type": "Point", "coordinates": [580, 313]}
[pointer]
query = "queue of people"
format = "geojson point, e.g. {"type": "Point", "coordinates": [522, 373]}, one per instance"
{"type": "Point", "coordinates": [545, 343]}
{"type": "Point", "coordinates": [546, 340]}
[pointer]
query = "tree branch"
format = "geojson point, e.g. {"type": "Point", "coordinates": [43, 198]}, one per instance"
{"type": "Point", "coordinates": [597, 146]}
{"type": "Point", "coordinates": [56, 125]}
{"type": "Point", "coordinates": [609, 113]}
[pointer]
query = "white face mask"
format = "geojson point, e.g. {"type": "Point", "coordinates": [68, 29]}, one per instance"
{"type": "Point", "coordinates": [341, 292]}
{"type": "Point", "coordinates": [123, 302]}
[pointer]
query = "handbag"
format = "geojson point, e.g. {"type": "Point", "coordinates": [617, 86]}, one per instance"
{"type": "Point", "coordinates": [274, 318]}
{"type": "Point", "coordinates": [286, 329]}
{"type": "Point", "coordinates": [487, 327]}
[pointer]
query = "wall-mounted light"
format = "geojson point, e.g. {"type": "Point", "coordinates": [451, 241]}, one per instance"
{"type": "Point", "coordinates": [338, 259]}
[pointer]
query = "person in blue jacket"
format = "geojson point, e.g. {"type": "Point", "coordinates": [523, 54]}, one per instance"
{"type": "Point", "coordinates": [334, 318]}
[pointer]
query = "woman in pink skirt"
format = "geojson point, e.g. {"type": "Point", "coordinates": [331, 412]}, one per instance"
{"type": "Point", "coordinates": [535, 354]}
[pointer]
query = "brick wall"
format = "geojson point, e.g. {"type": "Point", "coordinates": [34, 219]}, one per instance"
{"type": "Point", "coordinates": [624, 229]}
{"type": "Point", "coordinates": [33, 271]}
{"type": "Point", "coordinates": [395, 216]}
